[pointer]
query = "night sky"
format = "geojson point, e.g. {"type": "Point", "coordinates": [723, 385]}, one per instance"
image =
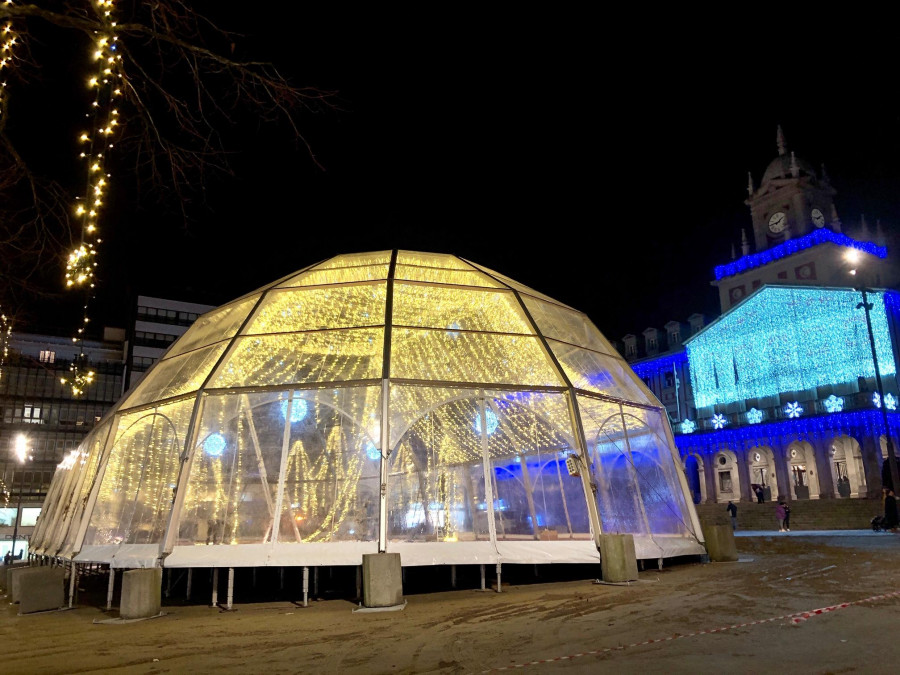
{"type": "Point", "coordinates": [604, 168]}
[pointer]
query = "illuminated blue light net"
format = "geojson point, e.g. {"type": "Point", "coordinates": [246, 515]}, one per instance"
{"type": "Point", "coordinates": [749, 262]}
{"type": "Point", "coordinates": [788, 339]}
{"type": "Point", "coordinates": [299, 408]}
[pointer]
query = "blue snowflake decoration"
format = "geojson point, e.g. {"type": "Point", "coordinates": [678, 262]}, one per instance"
{"type": "Point", "coordinates": [754, 416]}
{"type": "Point", "coordinates": [214, 445]}
{"type": "Point", "coordinates": [876, 399]}
{"type": "Point", "coordinates": [371, 451]}
{"type": "Point", "coordinates": [793, 410]}
{"type": "Point", "coordinates": [492, 421]}
{"type": "Point", "coordinates": [687, 427]}
{"type": "Point", "coordinates": [834, 404]}
{"type": "Point", "coordinates": [719, 421]}
{"type": "Point", "coordinates": [890, 402]}
{"type": "Point", "coordinates": [298, 410]}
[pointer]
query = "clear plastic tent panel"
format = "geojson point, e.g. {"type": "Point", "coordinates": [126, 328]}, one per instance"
{"type": "Point", "coordinates": [567, 325]}
{"type": "Point", "coordinates": [95, 450]}
{"type": "Point", "coordinates": [439, 260]}
{"type": "Point", "coordinates": [514, 284]}
{"type": "Point", "coordinates": [299, 358]}
{"type": "Point", "coordinates": [618, 498]}
{"type": "Point", "coordinates": [235, 466]}
{"type": "Point", "coordinates": [214, 326]}
{"type": "Point", "coordinates": [458, 309]}
{"type": "Point", "coordinates": [436, 481]}
{"type": "Point", "coordinates": [176, 376]}
{"type": "Point", "coordinates": [294, 310]}
{"type": "Point", "coordinates": [601, 373]}
{"type": "Point", "coordinates": [72, 468]}
{"type": "Point", "coordinates": [654, 466]}
{"type": "Point", "coordinates": [341, 275]}
{"type": "Point", "coordinates": [470, 357]}
{"type": "Point", "coordinates": [138, 484]}
{"type": "Point", "coordinates": [332, 469]}
{"type": "Point", "coordinates": [355, 260]}
{"type": "Point", "coordinates": [529, 436]}
{"type": "Point", "coordinates": [49, 510]}
{"type": "Point", "coordinates": [436, 275]}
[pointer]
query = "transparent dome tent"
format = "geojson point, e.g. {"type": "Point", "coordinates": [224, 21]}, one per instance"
{"type": "Point", "coordinates": [393, 401]}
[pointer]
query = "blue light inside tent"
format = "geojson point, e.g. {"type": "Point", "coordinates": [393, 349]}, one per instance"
{"type": "Point", "coordinates": [372, 451]}
{"type": "Point", "coordinates": [214, 445]}
{"type": "Point", "coordinates": [298, 410]}
{"type": "Point", "coordinates": [492, 421]}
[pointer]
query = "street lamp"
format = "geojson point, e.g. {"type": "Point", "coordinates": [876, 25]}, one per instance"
{"type": "Point", "coordinates": [21, 455]}
{"type": "Point", "coordinates": [854, 257]}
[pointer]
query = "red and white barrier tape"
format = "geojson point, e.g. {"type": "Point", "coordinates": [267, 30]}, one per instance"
{"type": "Point", "coordinates": [795, 618]}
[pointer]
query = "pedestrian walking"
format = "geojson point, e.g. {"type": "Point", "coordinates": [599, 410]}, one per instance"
{"type": "Point", "coordinates": [732, 510]}
{"type": "Point", "coordinates": [780, 514]}
{"type": "Point", "coordinates": [890, 512]}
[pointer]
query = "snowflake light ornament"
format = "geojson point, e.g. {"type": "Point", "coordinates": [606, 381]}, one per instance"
{"type": "Point", "coordinates": [834, 404]}
{"type": "Point", "coordinates": [793, 409]}
{"type": "Point", "coordinates": [890, 402]}
{"type": "Point", "coordinates": [687, 427]}
{"type": "Point", "coordinates": [876, 399]}
{"type": "Point", "coordinates": [719, 421]}
{"type": "Point", "coordinates": [754, 416]}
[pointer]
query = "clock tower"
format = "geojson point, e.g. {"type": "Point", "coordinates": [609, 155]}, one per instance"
{"type": "Point", "coordinates": [792, 200]}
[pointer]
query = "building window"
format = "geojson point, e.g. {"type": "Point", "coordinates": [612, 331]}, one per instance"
{"type": "Point", "coordinates": [31, 414]}
{"type": "Point", "coordinates": [725, 481]}
{"type": "Point", "coordinates": [47, 356]}
{"type": "Point", "coordinates": [670, 379]}
{"type": "Point", "coordinates": [629, 350]}
{"type": "Point", "coordinates": [651, 343]}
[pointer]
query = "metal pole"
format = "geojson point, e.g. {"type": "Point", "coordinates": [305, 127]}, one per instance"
{"type": "Point", "coordinates": [215, 587]}
{"type": "Point", "coordinates": [18, 514]}
{"type": "Point", "coordinates": [72, 574]}
{"type": "Point", "coordinates": [187, 595]}
{"type": "Point", "coordinates": [230, 587]}
{"type": "Point", "coordinates": [482, 577]}
{"type": "Point", "coordinates": [891, 459]}
{"type": "Point", "coordinates": [306, 587]}
{"type": "Point", "coordinates": [499, 588]}
{"type": "Point", "coordinates": [112, 585]}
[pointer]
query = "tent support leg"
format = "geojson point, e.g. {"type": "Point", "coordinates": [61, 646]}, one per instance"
{"type": "Point", "coordinates": [315, 582]}
{"type": "Point", "coordinates": [72, 574]}
{"type": "Point", "coordinates": [281, 577]}
{"type": "Point", "coordinates": [168, 573]}
{"type": "Point", "coordinates": [112, 585]}
{"type": "Point", "coordinates": [254, 578]}
{"type": "Point", "coordinates": [359, 582]}
{"type": "Point", "coordinates": [306, 587]}
{"type": "Point", "coordinates": [187, 595]}
{"type": "Point", "coordinates": [498, 578]}
{"type": "Point", "coordinates": [230, 587]}
{"type": "Point", "coordinates": [453, 576]}
{"type": "Point", "coordinates": [659, 562]}
{"type": "Point", "coordinates": [482, 577]}
{"type": "Point", "coordinates": [215, 587]}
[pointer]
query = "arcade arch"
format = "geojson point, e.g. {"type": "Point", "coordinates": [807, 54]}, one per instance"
{"type": "Point", "coordinates": [801, 460]}
{"type": "Point", "coordinates": [761, 462]}
{"type": "Point", "coordinates": [728, 479]}
{"type": "Point", "coordinates": [846, 464]}
{"type": "Point", "coordinates": [694, 472]}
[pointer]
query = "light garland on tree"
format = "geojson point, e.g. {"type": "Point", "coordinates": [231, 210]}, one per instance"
{"type": "Point", "coordinates": [787, 339]}
{"type": "Point", "coordinates": [8, 41]}
{"type": "Point", "coordinates": [107, 83]}
{"type": "Point", "coordinates": [5, 333]}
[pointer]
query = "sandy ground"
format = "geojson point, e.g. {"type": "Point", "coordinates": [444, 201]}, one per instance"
{"type": "Point", "coordinates": [661, 624]}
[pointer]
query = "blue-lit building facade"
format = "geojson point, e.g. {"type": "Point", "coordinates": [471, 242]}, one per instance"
{"type": "Point", "coordinates": [780, 390]}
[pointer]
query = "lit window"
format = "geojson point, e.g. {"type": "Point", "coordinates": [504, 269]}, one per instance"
{"type": "Point", "coordinates": [47, 356]}
{"type": "Point", "coordinates": [31, 415]}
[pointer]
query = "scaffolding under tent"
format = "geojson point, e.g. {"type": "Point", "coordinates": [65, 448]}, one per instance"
{"type": "Point", "coordinates": [393, 401]}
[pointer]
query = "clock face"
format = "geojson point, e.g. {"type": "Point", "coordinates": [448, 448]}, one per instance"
{"type": "Point", "coordinates": [818, 218]}
{"type": "Point", "coordinates": [777, 222]}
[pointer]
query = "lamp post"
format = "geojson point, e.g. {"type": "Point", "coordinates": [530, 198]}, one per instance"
{"type": "Point", "coordinates": [21, 455]}
{"type": "Point", "coordinates": [853, 257]}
